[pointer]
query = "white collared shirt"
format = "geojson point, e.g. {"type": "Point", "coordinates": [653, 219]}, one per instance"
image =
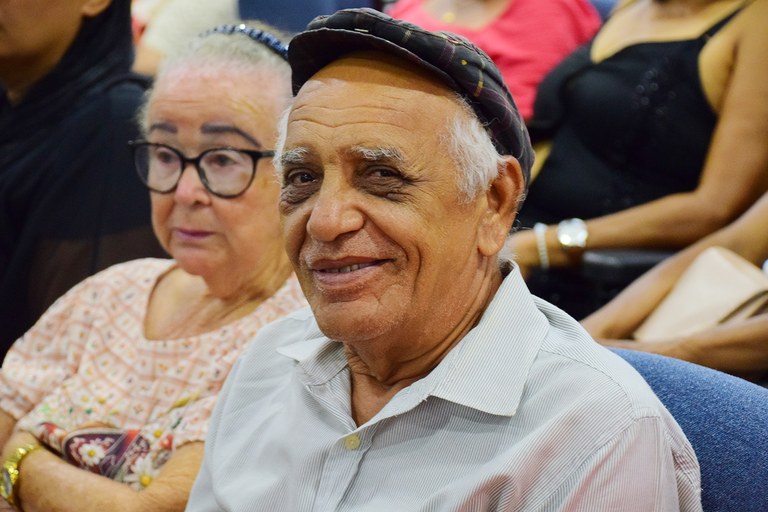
{"type": "Point", "coordinates": [525, 413]}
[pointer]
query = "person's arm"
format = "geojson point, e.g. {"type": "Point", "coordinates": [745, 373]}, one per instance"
{"type": "Point", "coordinates": [619, 318]}
{"type": "Point", "coordinates": [739, 348]}
{"type": "Point", "coordinates": [735, 173]}
{"type": "Point", "coordinates": [643, 468]}
{"type": "Point", "coordinates": [48, 484]}
{"type": "Point", "coordinates": [7, 422]}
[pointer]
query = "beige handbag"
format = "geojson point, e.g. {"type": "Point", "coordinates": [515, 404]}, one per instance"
{"type": "Point", "coordinates": [719, 286]}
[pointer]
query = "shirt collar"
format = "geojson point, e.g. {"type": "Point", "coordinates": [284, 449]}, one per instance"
{"type": "Point", "coordinates": [486, 371]}
{"type": "Point", "coordinates": [490, 371]}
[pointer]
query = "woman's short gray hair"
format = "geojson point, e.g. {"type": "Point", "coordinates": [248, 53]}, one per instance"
{"type": "Point", "coordinates": [234, 50]}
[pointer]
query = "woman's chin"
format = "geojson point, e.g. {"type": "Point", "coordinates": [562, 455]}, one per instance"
{"type": "Point", "coordinates": [197, 264]}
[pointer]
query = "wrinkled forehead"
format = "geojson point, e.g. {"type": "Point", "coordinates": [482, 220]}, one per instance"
{"type": "Point", "coordinates": [374, 77]}
{"type": "Point", "coordinates": [362, 107]}
{"type": "Point", "coordinates": [381, 96]}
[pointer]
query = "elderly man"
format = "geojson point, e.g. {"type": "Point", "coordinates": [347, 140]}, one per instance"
{"type": "Point", "coordinates": [425, 376]}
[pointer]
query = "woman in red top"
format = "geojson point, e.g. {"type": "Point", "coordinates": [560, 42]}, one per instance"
{"type": "Point", "coordinates": [525, 38]}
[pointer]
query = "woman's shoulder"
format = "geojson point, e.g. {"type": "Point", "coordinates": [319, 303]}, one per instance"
{"type": "Point", "coordinates": [142, 272]}
{"type": "Point", "coordinates": [637, 22]}
{"type": "Point", "coordinates": [743, 39]}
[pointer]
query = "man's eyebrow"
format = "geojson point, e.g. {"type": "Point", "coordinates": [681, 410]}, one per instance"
{"type": "Point", "coordinates": [294, 156]}
{"type": "Point", "coordinates": [378, 154]}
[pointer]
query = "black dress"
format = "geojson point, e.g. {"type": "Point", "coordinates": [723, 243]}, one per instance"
{"type": "Point", "coordinates": [70, 201]}
{"type": "Point", "coordinates": [630, 129]}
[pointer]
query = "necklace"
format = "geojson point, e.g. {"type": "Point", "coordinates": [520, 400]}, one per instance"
{"type": "Point", "coordinates": [470, 12]}
{"type": "Point", "coordinates": [448, 17]}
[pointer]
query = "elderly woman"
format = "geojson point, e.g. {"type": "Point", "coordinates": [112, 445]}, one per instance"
{"type": "Point", "coordinates": [657, 132]}
{"type": "Point", "coordinates": [110, 392]}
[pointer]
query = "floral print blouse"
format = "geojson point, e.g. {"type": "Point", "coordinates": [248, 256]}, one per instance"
{"type": "Point", "coordinates": [90, 386]}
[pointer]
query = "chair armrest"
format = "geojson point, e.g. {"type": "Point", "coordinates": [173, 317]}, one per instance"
{"type": "Point", "coordinates": [619, 267]}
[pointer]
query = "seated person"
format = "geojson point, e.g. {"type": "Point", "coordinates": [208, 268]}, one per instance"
{"type": "Point", "coordinates": [525, 38]}
{"type": "Point", "coordinates": [425, 376]}
{"type": "Point", "coordinates": [172, 23]}
{"type": "Point", "coordinates": [111, 391]}
{"type": "Point", "coordinates": [71, 204]}
{"type": "Point", "coordinates": [739, 347]}
{"type": "Point", "coordinates": [657, 131]}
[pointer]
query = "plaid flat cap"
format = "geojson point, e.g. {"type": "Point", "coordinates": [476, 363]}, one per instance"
{"type": "Point", "coordinates": [453, 59]}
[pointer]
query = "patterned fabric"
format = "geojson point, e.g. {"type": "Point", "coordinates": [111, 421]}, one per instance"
{"type": "Point", "coordinates": [455, 60]}
{"type": "Point", "coordinates": [526, 413]}
{"type": "Point", "coordinates": [90, 386]}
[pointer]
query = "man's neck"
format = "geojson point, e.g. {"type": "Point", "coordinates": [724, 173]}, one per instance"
{"type": "Point", "coordinates": [379, 369]}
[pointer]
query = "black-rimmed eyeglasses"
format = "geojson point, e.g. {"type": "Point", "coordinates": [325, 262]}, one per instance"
{"type": "Point", "coordinates": [224, 172]}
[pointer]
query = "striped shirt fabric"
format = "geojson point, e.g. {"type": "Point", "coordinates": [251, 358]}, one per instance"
{"type": "Point", "coordinates": [527, 412]}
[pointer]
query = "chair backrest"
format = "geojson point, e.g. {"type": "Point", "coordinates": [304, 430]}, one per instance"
{"type": "Point", "coordinates": [604, 7]}
{"type": "Point", "coordinates": [293, 15]}
{"type": "Point", "coordinates": [725, 419]}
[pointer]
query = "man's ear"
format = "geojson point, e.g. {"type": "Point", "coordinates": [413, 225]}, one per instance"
{"type": "Point", "coordinates": [93, 8]}
{"type": "Point", "coordinates": [502, 200]}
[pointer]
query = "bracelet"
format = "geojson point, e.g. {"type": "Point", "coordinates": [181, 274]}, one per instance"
{"type": "Point", "coordinates": [540, 230]}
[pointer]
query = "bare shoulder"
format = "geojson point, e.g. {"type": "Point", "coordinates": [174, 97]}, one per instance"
{"type": "Point", "coordinates": [647, 21]}
{"type": "Point", "coordinates": [735, 53]}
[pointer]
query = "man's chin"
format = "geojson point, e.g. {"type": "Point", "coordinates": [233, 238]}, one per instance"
{"type": "Point", "coordinates": [352, 322]}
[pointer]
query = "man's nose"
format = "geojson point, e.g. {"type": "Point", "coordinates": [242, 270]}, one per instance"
{"type": "Point", "coordinates": [337, 210]}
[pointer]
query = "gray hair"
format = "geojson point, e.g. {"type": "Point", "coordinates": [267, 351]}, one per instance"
{"type": "Point", "coordinates": [216, 51]}
{"type": "Point", "coordinates": [470, 145]}
{"type": "Point", "coordinates": [282, 133]}
{"type": "Point", "coordinates": [466, 140]}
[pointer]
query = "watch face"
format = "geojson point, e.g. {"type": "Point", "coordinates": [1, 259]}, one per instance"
{"type": "Point", "coordinates": [572, 233]}
{"type": "Point", "coordinates": [6, 487]}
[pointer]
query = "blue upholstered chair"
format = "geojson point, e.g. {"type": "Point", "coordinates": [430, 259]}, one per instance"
{"type": "Point", "coordinates": [725, 419]}
{"type": "Point", "coordinates": [293, 15]}
{"type": "Point", "coordinates": [604, 7]}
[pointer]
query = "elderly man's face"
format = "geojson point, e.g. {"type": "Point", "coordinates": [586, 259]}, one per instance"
{"type": "Point", "coordinates": [383, 243]}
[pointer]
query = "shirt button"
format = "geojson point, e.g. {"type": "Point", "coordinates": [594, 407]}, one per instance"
{"type": "Point", "coordinates": [352, 442]}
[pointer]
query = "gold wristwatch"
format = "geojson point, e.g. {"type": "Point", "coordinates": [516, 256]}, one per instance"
{"type": "Point", "coordinates": [10, 478]}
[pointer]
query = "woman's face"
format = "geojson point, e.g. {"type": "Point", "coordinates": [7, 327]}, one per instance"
{"type": "Point", "coordinates": [193, 110]}
{"type": "Point", "coordinates": [35, 34]}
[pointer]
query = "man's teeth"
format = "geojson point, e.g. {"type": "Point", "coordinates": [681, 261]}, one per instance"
{"type": "Point", "coordinates": [348, 268]}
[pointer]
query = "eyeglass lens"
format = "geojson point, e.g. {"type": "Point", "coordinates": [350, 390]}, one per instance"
{"type": "Point", "coordinates": [227, 172]}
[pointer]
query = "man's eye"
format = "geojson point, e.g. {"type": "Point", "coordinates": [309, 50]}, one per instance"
{"type": "Point", "coordinates": [384, 172]}
{"type": "Point", "coordinates": [299, 177]}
